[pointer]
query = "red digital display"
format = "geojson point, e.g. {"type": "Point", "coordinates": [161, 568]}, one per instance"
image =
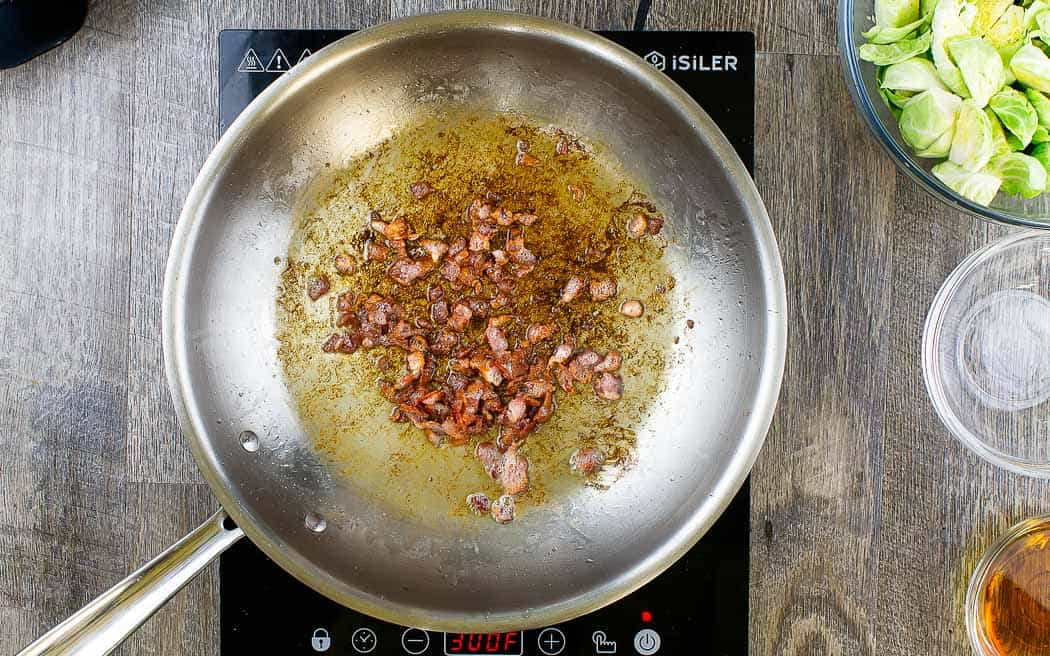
{"type": "Point", "coordinates": [493, 644]}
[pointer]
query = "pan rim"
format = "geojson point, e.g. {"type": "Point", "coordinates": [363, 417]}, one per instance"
{"type": "Point", "coordinates": [773, 355]}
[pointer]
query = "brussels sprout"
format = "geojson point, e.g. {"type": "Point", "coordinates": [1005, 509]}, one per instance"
{"type": "Point", "coordinates": [980, 65]}
{"type": "Point", "coordinates": [1031, 66]}
{"type": "Point", "coordinates": [1016, 113]}
{"type": "Point", "coordinates": [948, 24]}
{"type": "Point", "coordinates": [1041, 153]}
{"type": "Point", "coordinates": [895, 13]}
{"type": "Point", "coordinates": [1041, 135]}
{"type": "Point", "coordinates": [927, 117]}
{"type": "Point", "coordinates": [915, 74]}
{"type": "Point", "coordinates": [894, 53]}
{"type": "Point", "coordinates": [998, 134]}
{"type": "Point", "coordinates": [988, 13]}
{"type": "Point", "coordinates": [1021, 174]}
{"type": "Point", "coordinates": [1031, 13]}
{"type": "Point", "coordinates": [883, 35]}
{"type": "Point", "coordinates": [1041, 104]}
{"type": "Point", "coordinates": [891, 103]}
{"type": "Point", "coordinates": [1008, 34]}
{"type": "Point", "coordinates": [1014, 143]}
{"type": "Point", "coordinates": [972, 142]}
{"type": "Point", "coordinates": [898, 100]}
{"type": "Point", "coordinates": [980, 187]}
{"type": "Point", "coordinates": [1042, 22]}
{"type": "Point", "coordinates": [940, 148]}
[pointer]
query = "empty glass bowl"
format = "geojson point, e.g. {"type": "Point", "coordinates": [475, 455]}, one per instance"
{"type": "Point", "coordinates": [855, 17]}
{"type": "Point", "coordinates": [986, 353]}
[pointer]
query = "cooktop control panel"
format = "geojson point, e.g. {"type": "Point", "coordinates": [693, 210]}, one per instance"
{"type": "Point", "coordinates": [698, 606]}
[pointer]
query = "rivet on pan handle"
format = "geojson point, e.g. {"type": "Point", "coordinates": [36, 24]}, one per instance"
{"type": "Point", "coordinates": [102, 625]}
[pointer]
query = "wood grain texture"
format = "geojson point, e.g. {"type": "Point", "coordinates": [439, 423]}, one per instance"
{"type": "Point", "coordinates": [780, 26]}
{"type": "Point", "coordinates": [599, 15]}
{"type": "Point", "coordinates": [867, 516]}
{"type": "Point", "coordinates": [65, 180]}
{"type": "Point", "coordinates": [814, 498]}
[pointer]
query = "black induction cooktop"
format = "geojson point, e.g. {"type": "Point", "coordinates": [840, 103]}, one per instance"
{"type": "Point", "coordinates": [698, 606]}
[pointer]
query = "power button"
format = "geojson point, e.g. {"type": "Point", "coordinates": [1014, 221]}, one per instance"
{"type": "Point", "coordinates": [647, 642]}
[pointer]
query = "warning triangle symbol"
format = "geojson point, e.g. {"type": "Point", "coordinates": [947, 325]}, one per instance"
{"type": "Point", "coordinates": [278, 63]}
{"type": "Point", "coordinates": [251, 63]}
{"type": "Point", "coordinates": [306, 53]}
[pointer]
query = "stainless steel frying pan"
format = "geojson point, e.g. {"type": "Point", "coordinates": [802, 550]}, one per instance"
{"type": "Point", "coordinates": [562, 559]}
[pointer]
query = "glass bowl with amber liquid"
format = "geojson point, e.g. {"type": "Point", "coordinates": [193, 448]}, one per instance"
{"type": "Point", "coordinates": [1008, 600]}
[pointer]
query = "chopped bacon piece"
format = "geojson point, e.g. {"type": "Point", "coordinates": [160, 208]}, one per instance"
{"type": "Point", "coordinates": [632, 308]}
{"type": "Point", "coordinates": [609, 387]}
{"type": "Point", "coordinates": [603, 288]}
{"type": "Point", "coordinates": [572, 289]}
{"type": "Point", "coordinates": [538, 332]}
{"type": "Point", "coordinates": [526, 159]}
{"type": "Point", "coordinates": [460, 315]}
{"type": "Point", "coordinates": [514, 472]}
{"type": "Point", "coordinates": [637, 226]}
{"type": "Point", "coordinates": [490, 458]}
{"type": "Point", "coordinates": [479, 503]}
{"type": "Point", "coordinates": [375, 252]}
{"type": "Point", "coordinates": [434, 248]}
{"type": "Point", "coordinates": [503, 509]}
{"type": "Point", "coordinates": [586, 461]}
{"type": "Point", "coordinates": [344, 264]}
{"type": "Point", "coordinates": [421, 189]}
{"type": "Point", "coordinates": [611, 362]}
{"type": "Point", "coordinates": [318, 287]}
{"type": "Point", "coordinates": [406, 271]}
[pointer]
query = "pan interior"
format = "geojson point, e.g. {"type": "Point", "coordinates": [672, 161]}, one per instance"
{"type": "Point", "coordinates": [583, 548]}
{"type": "Point", "coordinates": [464, 156]}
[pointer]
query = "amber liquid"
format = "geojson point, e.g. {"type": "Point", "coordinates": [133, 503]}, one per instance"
{"type": "Point", "coordinates": [1015, 609]}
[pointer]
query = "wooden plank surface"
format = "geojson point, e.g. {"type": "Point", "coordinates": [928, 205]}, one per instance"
{"type": "Point", "coordinates": [780, 26]}
{"type": "Point", "coordinates": [867, 517]}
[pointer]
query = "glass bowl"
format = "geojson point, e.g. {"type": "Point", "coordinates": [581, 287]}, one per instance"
{"type": "Point", "coordinates": [1007, 602]}
{"type": "Point", "coordinates": [986, 353]}
{"type": "Point", "coordinates": [855, 17]}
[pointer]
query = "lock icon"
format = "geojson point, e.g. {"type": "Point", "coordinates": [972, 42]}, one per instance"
{"type": "Point", "coordinates": [320, 640]}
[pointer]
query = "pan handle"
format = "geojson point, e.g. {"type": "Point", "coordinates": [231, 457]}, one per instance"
{"type": "Point", "coordinates": [103, 624]}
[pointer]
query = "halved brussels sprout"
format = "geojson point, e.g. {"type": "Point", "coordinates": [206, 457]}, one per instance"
{"type": "Point", "coordinates": [1042, 21]}
{"type": "Point", "coordinates": [947, 23]}
{"type": "Point", "coordinates": [927, 117]}
{"type": "Point", "coordinates": [980, 65]}
{"type": "Point", "coordinates": [1021, 174]}
{"type": "Point", "coordinates": [988, 13]}
{"type": "Point", "coordinates": [1007, 34]}
{"type": "Point", "coordinates": [915, 74]}
{"type": "Point", "coordinates": [894, 53]}
{"type": "Point", "coordinates": [1014, 143]}
{"type": "Point", "coordinates": [894, 13]}
{"type": "Point", "coordinates": [883, 35]}
{"type": "Point", "coordinates": [1041, 104]}
{"type": "Point", "coordinates": [998, 134]}
{"type": "Point", "coordinates": [940, 148]}
{"type": "Point", "coordinates": [1016, 113]}
{"type": "Point", "coordinates": [1041, 153]}
{"type": "Point", "coordinates": [1032, 11]}
{"type": "Point", "coordinates": [980, 187]}
{"type": "Point", "coordinates": [1031, 67]}
{"type": "Point", "coordinates": [972, 143]}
